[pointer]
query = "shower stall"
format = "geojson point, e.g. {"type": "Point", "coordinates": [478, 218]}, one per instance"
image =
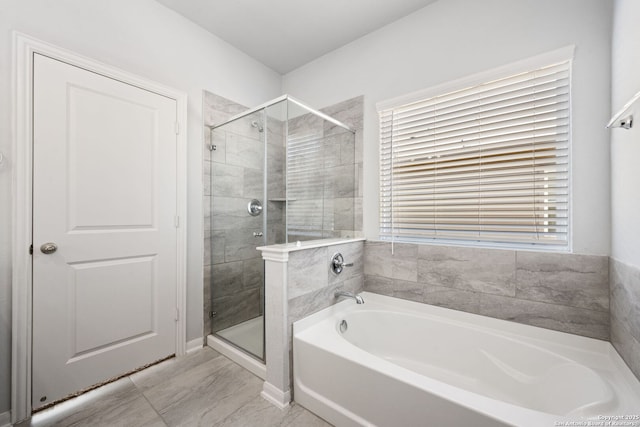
{"type": "Point", "coordinates": [280, 173]}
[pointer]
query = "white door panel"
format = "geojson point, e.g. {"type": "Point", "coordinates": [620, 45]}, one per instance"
{"type": "Point", "coordinates": [96, 287]}
{"type": "Point", "coordinates": [105, 193]}
{"type": "Point", "coordinates": [98, 152]}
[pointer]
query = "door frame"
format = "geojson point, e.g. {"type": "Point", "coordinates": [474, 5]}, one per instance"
{"type": "Point", "coordinates": [24, 48]}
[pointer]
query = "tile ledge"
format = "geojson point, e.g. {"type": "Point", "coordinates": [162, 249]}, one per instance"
{"type": "Point", "coordinates": [309, 244]}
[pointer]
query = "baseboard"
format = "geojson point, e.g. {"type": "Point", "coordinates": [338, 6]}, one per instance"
{"type": "Point", "coordinates": [194, 345]}
{"type": "Point", "coordinates": [275, 396]}
{"type": "Point", "coordinates": [5, 419]}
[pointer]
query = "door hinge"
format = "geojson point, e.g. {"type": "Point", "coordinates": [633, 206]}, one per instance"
{"type": "Point", "coordinates": [31, 250]}
{"type": "Point", "coordinates": [177, 314]}
{"type": "Point", "coordinates": [176, 221]}
{"type": "Point", "coordinates": [177, 128]}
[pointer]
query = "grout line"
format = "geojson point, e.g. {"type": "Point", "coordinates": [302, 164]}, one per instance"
{"type": "Point", "coordinates": [150, 404]}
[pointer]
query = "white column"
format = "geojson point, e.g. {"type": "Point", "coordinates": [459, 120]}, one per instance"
{"type": "Point", "coordinates": [276, 386]}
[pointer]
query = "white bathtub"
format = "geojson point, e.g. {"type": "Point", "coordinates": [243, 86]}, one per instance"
{"type": "Point", "coordinates": [401, 363]}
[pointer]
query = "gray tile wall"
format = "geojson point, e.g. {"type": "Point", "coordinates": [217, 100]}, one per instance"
{"type": "Point", "coordinates": [565, 292]}
{"type": "Point", "coordinates": [333, 157]}
{"type": "Point", "coordinates": [351, 113]}
{"type": "Point", "coordinates": [625, 312]}
{"type": "Point", "coordinates": [310, 282]}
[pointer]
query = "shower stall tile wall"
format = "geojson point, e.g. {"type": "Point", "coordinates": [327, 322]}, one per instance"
{"type": "Point", "coordinates": [351, 113]}
{"type": "Point", "coordinates": [564, 292]}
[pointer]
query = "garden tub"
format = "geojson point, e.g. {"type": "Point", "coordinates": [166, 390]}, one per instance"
{"type": "Point", "coordinates": [391, 362]}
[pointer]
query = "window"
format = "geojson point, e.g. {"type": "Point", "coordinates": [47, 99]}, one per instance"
{"type": "Point", "coordinates": [485, 163]}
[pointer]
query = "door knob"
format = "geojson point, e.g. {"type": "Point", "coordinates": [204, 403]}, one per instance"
{"type": "Point", "coordinates": [48, 248]}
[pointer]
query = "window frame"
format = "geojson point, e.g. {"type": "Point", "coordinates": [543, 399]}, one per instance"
{"type": "Point", "coordinates": [565, 54]}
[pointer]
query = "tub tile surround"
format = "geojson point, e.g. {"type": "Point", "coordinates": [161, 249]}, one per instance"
{"type": "Point", "coordinates": [311, 289]}
{"type": "Point", "coordinates": [299, 282]}
{"type": "Point", "coordinates": [572, 280]}
{"type": "Point", "coordinates": [625, 312]}
{"type": "Point", "coordinates": [563, 292]}
{"type": "Point", "coordinates": [466, 269]}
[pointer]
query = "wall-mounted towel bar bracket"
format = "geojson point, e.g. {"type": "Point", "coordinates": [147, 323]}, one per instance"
{"type": "Point", "coordinates": [624, 117]}
{"type": "Point", "coordinates": [625, 123]}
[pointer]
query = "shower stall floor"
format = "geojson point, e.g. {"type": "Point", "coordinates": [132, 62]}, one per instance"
{"type": "Point", "coordinates": [247, 335]}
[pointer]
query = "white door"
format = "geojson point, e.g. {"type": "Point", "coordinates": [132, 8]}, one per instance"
{"type": "Point", "coordinates": [104, 192]}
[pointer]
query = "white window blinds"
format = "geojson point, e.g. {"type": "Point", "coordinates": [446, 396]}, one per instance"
{"type": "Point", "coordinates": [487, 163]}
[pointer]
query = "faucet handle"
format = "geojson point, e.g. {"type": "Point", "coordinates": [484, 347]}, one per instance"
{"type": "Point", "coordinates": [338, 264]}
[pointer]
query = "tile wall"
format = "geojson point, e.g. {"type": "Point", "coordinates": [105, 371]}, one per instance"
{"type": "Point", "coordinates": [351, 113]}
{"type": "Point", "coordinates": [564, 292]}
{"type": "Point", "coordinates": [332, 157]}
{"type": "Point", "coordinates": [625, 312]}
{"type": "Point", "coordinates": [311, 284]}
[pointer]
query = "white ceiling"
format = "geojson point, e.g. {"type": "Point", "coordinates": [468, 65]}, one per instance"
{"type": "Point", "coordinates": [285, 34]}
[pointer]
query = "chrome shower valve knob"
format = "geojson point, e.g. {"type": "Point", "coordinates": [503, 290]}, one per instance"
{"type": "Point", "coordinates": [338, 264]}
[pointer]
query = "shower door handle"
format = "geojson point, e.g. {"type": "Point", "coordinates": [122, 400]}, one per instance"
{"type": "Point", "coordinates": [257, 234]}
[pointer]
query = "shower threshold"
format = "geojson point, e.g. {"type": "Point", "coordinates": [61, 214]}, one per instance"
{"type": "Point", "coordinates": [247, 335]}
{"type": "Point", "coordinates": [230, 347]}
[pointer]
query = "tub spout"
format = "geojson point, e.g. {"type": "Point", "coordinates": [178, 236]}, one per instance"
{"type": "Point", "coordinates": [358, 298]}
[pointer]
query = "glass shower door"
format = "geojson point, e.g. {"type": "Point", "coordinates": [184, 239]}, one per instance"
{"type": "Point", "coordinates": [238, 226]}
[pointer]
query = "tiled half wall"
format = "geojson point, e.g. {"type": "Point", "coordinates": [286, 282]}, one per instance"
{"type": "Point", "coordinates": [299, 282]}
{"type": "Point", "coordinates": [564, 292]}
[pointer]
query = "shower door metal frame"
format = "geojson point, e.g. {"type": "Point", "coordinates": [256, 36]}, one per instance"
{"type": "Point", "coordinates": [280, 99]}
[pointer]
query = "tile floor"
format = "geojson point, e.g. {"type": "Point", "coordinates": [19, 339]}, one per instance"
{"type": "Point", "coordinates": [201, 389]}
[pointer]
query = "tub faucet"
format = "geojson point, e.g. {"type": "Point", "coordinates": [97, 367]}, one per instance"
{"type": "Point", "coordinates": [358, 298]}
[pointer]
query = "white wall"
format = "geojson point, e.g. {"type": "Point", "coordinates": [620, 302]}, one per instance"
{"type": "Point", "coordinates": [625, 144]}
{"type": "Point", "coordinates": [450, 39]}
{"type": "Point", "coordinates": [144, 38]}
